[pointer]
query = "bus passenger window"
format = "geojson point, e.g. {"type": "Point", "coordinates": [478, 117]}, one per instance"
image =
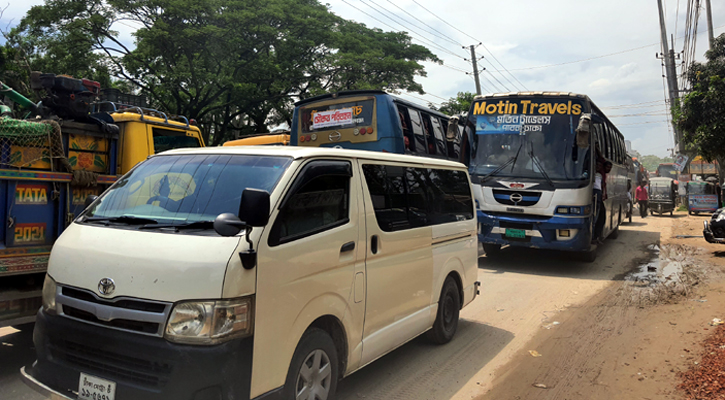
{"type": "Point", "coordinates": [419, 145]}
{"type": "Point", "coordinates": [429, 134]}
{"type": "Point", "coordinates": [440, 138]}
{"type": "Point", "coordinates": [405, 124]}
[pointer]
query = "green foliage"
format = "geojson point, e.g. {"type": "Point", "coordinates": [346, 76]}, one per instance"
{"type": "Point", "coordinates": [233, 65]}
{"type": "Point", "coordinates": [457, 105]}
{"type": "Point", "coordinates": [651, 162]}
{"type": "Point", "coordinates": [700, 113]}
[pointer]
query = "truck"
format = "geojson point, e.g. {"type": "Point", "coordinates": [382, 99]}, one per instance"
{"type": "Point", "coordinates": [65, 149]}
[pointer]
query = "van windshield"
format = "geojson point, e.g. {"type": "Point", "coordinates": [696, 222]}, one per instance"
{"type": "Point", "coordinates": [187, 189]}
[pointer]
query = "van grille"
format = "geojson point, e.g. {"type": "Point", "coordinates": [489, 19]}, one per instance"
{"type": "Point", "coordinates": [128, 314]}
{"type": "Point", "coordinates": [110, 363]}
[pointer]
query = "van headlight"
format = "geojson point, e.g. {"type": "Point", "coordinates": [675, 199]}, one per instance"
{"type": "Point", "coordinates": [49, 289]}
{"type": "Point", "coordinates": [210, 322]}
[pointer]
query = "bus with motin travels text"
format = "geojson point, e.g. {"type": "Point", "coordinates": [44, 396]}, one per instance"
{"type": "Point", "coordinates": [532, 159]}
{"type": "Point", "coordinates": [375, 120]}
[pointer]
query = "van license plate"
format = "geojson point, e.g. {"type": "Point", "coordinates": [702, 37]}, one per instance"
{"type": "Point", "coordinates": [516, 233]}
{"type": "Point", "coordinates": [93, 388]}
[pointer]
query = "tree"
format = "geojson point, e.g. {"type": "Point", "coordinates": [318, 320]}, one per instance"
{"type": "Point", "coordinates": [700, 114]}
{"type": "Point", "coordinates": [651, 162]}
{"type": "Point", "coordinates": [457, 105]}
{"type": "Point", "coordinates": [223, 62]}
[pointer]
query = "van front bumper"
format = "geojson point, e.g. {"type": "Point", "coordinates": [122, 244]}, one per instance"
{"type": "Point", "coordinates": [143, 367]}
{"type": "Point", "coordinates": [541, 232]}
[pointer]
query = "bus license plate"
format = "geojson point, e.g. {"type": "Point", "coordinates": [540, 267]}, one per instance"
{"type": "Point", "coordinates": [515, 233]}
{"type": "Point", "coordinates": [94, 388]}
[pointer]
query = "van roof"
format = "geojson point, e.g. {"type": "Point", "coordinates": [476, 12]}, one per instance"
{"type": "Point", "coordinates": [310, 152]}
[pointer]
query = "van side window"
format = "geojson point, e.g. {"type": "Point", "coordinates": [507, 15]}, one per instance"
{"type": "Point", "coordinates": [406, 198]}
{"type": "Point", "coordinates": [321, 204]}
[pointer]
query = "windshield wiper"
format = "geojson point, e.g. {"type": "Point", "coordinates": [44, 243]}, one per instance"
{"type": "Point", "coordinates": [182, 226]}
{"type": "Point", "coordinates": [538, 164]}
{"type": "Point", "coordinates": [123, 219]}
{"type": "Point", "coordinates": [511, 161]}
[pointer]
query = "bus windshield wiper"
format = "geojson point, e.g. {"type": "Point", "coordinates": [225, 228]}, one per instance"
{"type": "Point", "coordinates": [123, 219]}
{"type": "Point", "coordinates": [538, 164]}
{"type": "Point", "coordinates": [511, 161]}
{"type": "Point", "coordinates": [182, 226]}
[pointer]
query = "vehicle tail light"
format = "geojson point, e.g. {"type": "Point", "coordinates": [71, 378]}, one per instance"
{"type": "Point", "coordinates": [302, 138]}
{"type": "Point", "coordinates": [370, 130]}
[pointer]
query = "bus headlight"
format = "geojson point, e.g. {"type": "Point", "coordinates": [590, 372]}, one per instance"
{"type": "Point", "coordinates": [210, 322]}
{"type": "Point", "coordinates": [575, 210]}
{"type": "Point", "coordinates": [49, 289]}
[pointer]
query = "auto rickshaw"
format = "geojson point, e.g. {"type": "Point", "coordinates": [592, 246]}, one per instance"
{"type": "Point", "coordinates": [702, 196]}
{"type": "Point", "coordinates": [662, 195]}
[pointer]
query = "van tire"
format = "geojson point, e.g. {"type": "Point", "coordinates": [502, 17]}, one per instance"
{"type": "Point", "coordinates": [317, 352]}
{"type": "Point", "coordinates": [491, 250]}
{"type": "Point", "coordinates": [449, 307]}
{"type": "Point", "coordinates": [589, 256]}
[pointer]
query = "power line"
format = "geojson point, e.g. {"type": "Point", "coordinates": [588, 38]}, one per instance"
{"type": "Point", "coordinates": [450, 39]}
{"type": "Point", "coordinates": [484, 46]}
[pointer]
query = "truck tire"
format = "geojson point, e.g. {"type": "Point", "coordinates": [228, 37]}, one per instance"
{"type": "Point", "coordinates": [492, 250]}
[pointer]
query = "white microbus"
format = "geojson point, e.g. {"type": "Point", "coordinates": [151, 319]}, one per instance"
{"type": "Point", "coordinates": [254, 273]}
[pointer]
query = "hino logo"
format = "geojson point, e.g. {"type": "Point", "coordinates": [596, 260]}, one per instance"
{"type": "Point", "coordinates": [516, 198]}
{"type": "Point", "coordinates": [335, 136]}
{"type": "Point", "coordinates": [106, 286]}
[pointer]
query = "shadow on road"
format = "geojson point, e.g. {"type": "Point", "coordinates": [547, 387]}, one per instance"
{"type": "Point", "coordinates": [421, 370]}
{"type": "Point", "coordinates": [615, 256]}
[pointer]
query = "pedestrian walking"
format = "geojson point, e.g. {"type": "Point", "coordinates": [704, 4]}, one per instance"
{"type": "Point", "coordinates": [642, 198]}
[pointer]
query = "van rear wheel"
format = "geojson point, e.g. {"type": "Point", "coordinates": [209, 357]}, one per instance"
{"type": "Point", "coordinates": [449, 307]}
{"type": "Point", "coordinates": [313, 372]}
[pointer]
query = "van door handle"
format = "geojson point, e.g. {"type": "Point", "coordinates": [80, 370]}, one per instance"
{"type": "Point", "coordinates": [374, 244]}
{"type": "Point", "coordinates": [349, 246]}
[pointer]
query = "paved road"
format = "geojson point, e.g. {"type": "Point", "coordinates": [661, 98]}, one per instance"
{"type": "Point", "coordinates": [521, 291]}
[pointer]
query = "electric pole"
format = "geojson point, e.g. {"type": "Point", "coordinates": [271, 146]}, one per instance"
{"type": "Point", "coordinates": [669, 57]}
{"type": "Point", "coordinates": [710, 34]}
{"type": "Point", "coordinates": [475, 69]}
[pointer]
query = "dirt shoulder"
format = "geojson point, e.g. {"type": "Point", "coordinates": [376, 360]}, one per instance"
{"type": "Point", "coordinates": [633, 339]}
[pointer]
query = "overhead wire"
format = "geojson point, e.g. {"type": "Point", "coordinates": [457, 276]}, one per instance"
{"type": "Point", "coordinates": [479, 41]}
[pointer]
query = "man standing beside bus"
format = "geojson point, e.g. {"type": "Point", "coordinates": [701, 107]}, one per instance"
{"type": "Point", "coordinates": [642, 198]}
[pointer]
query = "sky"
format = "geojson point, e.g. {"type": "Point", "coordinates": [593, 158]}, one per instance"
{"type": "Point", "coordinates": [604, 49]}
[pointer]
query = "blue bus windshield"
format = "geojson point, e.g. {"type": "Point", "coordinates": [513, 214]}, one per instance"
{"type": "Point", "coordinates": [529, 135]}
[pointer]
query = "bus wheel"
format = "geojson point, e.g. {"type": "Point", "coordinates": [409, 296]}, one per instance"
{"type": "Point", "coordinates": [630, 216]}
{"type": "Point", "coordinates": [690, 212]}
{"type": "Point", "coordinates": [492, 250]}
{"type": "Point", "coordinates": [671, 213]}
{"type": "Point", "coordinates": [589, 256]}
{"type": "Point", "coordinates": [615, 233]}
{"type": "Point", "coordinates": [313, 372]}
{"type": "Point", "coordinates": [449, 307]}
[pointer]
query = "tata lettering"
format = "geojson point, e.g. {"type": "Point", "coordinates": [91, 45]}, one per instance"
{"type": "Point", "coordinates": [31, 194]}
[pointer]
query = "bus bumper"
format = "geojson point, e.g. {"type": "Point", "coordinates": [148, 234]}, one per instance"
{"type": "Point", "coordinates": [541, 232]}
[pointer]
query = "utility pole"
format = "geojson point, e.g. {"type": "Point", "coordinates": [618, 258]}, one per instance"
{"type": "Point", "coordinates": [475, 69]}
{"type": "Point", "coordinates": [710, 34]}
{"type": "Point", "coordinates": [669, 57]}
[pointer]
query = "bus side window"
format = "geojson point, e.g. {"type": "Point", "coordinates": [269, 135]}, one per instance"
{"type": "Point", "coordinates": [418, 133]}
{"type": "Point", "coordinates": [440, 137]}
{"type": "Point", "coordinates": [408, 136]}
{"type": "Point", "coordinates": [428, 128]}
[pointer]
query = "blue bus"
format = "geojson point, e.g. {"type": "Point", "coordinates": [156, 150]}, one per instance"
{"type": "Point", "coordinates": [375, 120]}
{"type": "Point", "coordinates": [531, 157]}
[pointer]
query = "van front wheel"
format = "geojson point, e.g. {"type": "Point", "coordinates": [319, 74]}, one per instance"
{"type": "Point", "coordinates": [313, 372]}
{"type": "Point", "coordinates": [449, 307]}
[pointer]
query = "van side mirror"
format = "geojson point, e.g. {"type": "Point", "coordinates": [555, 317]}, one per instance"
{"type": "Point", "coordinates": [254, 207]}
{"type": "Point", "coordinates": [89, 200]}
{"type": "Point", "coordinates": [228, 224]}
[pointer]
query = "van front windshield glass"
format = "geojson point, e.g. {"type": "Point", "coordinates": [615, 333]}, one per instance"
{"type": "Point", "coordinates": [188, 189]}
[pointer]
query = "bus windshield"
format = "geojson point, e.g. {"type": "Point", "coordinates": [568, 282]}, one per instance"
{"type": "Point", "coordinates": [666, 171]}
{"type": "Point", "coordinates": [534, 137]}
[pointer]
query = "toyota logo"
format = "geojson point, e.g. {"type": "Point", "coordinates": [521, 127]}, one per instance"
{"type": "Point", "coordinates": [106, 286]}
{"type": "Point", "coordinates": [516, 198]}
{"type": "Point", "coordinates": [335, 136]}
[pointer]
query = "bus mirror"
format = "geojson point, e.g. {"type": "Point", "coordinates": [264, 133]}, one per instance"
{"type": "Point", "coordinates": [582, 131]}
{"type": "Point", "coordinates": [254, 207]}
